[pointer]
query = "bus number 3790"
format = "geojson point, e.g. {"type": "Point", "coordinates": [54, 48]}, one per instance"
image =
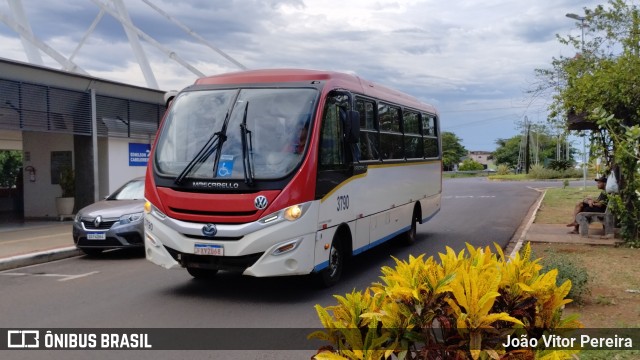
{"type": "Point", "coordinates": [343, 202]}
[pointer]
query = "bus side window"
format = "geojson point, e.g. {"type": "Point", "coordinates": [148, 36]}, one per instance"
{"type": "Point", "coordinates": [413, 148]}
{"type": "Point", "coordinates": [430, 136]}
{"type": "Point", "coordinates": [391, 146]}
{"type": "Point", "coordinates": [332, 151]}
{"type": "Point", "coordinates": [369, 144]}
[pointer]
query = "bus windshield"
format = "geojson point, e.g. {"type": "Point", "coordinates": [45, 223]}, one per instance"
{"type": "Point", "coordinates": [235, 133]}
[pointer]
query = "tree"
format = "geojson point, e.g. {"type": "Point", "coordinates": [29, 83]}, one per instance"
{"type": "Point", "coordinates": [507, 151]}
{"type": "Point", "coordinates": [543, 145]}
{"type": "Point", "coordinates": [452, 150]}
{"type": "Point", "coordinates": [600, 85]}
{"type": "Point", "coordinates": [10, 163]}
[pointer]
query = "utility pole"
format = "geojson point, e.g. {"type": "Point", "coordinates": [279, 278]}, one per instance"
{"type": "Point", "coordinates": [584, 147]}
{"type": "Point", "coordinates": [527, 159]}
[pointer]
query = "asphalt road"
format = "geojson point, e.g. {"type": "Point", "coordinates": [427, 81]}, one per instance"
{"type": "Point", "coordinates": [122, 290]}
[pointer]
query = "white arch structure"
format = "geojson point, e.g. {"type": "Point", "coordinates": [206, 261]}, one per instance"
{"type": "Point", "coordinates": [117, 9]}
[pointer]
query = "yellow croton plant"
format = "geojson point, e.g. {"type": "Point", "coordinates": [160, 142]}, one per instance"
{"type": "Point", "coordinates": [463, 306]}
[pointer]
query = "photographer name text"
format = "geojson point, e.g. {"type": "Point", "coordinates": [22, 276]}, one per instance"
{"type": "Point", "coordinates": [561, 342]}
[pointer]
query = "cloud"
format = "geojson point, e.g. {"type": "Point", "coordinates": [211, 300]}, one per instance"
{"type": "Point", "coordinates": [473, 60]}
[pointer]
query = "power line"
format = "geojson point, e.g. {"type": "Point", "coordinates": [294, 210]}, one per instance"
{"type": "Point", "coordinates": [482, 121]}
{"type": "Point", "coordinates": [485, 109]}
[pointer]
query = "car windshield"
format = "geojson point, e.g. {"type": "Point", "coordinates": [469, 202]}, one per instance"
{"type": "Point", "coordinates": [133, 190]}
{"type": "Point", "coordinates": [235, 133]}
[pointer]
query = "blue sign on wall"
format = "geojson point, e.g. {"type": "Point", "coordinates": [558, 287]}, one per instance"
{"type": "Point", "coordinates": [139, 154]}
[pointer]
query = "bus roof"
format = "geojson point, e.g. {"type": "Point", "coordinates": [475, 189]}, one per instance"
{"type": "Point", "coordinates": [335, 80]}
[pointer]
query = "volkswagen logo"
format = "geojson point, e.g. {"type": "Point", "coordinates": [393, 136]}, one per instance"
{"type": "Point", "coordinates": [97, 221]}
{"type": "Point", "coordinates": [209, 230]}
{"type": "Point", "coordinates": [261, 202]}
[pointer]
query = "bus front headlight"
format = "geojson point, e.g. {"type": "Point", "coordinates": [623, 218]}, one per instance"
{"type": "Point", "coordinates": [149, 208]}
{"type": "Point", "coordinates": [292, 213]}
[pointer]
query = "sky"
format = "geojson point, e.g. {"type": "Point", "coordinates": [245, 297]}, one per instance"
{"type": "Point", "coordinates": [473, 60]}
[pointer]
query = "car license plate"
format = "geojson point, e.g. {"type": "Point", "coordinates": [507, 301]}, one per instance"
{"type": "Point", "coordinates": [208, 249]}
{"type": "Point", "coordinates": [96, 236]}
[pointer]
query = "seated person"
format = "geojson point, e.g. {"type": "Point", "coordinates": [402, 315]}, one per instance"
{"type": "Point", "coordinates": [590, 205]}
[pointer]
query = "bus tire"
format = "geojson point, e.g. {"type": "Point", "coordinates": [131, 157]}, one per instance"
{"type": "Point", "coordinates": [409, 237]}
{"type": "Point", "coordinates": [199, 273]}
{"type": "Point", "coordinates": [330, 275]}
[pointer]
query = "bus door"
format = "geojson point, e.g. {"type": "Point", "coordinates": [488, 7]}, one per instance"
{"type": "Point", "coordinates": [339, 194]}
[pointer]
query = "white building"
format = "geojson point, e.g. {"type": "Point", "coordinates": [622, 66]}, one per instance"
{"type": "Point", "coordinates": [101, 128]}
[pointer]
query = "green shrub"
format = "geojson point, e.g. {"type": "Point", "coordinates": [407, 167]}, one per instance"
{"type": "Point", "coordinates": [540, 172]}
{"type": "Point", "coordinates": [568, 270]}
{"type": "Point", "coordinates": [67, 182]}
{"type": "Point", "coordinates": [560, 165]}
{"type": "Point", "coordinates": [471, 165]}
{"type": "Point", "coordinates": [503, 170]}
{"type": "Point", "coordinates": [572, 173]}
{"type": "Point", "coordinates": [460, 307]}
{"type": "Point", "coordinates": [10, 163]}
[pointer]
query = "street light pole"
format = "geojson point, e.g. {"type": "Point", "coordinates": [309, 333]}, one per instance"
{"type": "Point", "coordinates": [581, 19]}
{"type": "Point", "coordinates": [584, 146]}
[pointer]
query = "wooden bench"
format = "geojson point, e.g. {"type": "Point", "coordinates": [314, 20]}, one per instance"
{"type": "Point", "coordinates": [606, 219]}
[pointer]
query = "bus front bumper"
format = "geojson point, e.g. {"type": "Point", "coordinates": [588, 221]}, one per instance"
{"type": "Point", "coordinates": [285, 248]}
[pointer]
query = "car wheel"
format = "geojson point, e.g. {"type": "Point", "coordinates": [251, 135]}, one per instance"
{"type": "Point", "coordinates": [330, 275]}
{"type": "Point", "coordinates": [92, 251]}
{"type": "Point", "coordinates": [199, 273]}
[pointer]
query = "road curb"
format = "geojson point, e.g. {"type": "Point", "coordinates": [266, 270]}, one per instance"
{"type": "Point", "coordinates": [38, 258]}
{"type": "Point", "coordinates": [516, 241]}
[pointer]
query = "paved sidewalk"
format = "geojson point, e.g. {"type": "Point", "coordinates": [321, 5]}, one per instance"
{"type": "Point", "coordinates": [558, 233]}
{"type": "Point", "coordinates": [554, 233]}
{"type": "Point", "coordinates": [34, 242]}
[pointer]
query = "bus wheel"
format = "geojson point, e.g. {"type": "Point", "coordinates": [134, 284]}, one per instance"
{"type": "Point", "coordinates": [199, 273]}
{"type": "Point", "coordinates": [409, 237]}
{"type": "Point", "coordinates": [330, 275]}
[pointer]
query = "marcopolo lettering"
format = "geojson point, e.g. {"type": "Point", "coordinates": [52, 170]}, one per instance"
{"type": "Point", "coordinates": [215, 185]}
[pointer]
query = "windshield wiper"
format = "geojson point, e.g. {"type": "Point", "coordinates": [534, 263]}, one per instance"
{"type": "Point", "coordinates": [213, 144]}
{"type": "Point", "coordinates": [247, 148]}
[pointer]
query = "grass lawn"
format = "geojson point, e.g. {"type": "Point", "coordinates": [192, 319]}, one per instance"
{"type": "Point", "coordinates": [611, 300]}
{"type": "Point", "coordinates": [510, 177]}
{"type": "Point", "coordinates": [557, 206]}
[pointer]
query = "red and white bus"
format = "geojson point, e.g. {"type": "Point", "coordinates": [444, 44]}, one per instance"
{"type": "Point", "coordinates": [288, 172]}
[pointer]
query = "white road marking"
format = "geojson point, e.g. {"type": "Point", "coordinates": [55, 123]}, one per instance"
{"type": "Point", "coordinates": [468, 196]}
{"type": "Point", "coordinates": [62, 277]}
{"type": "Point", "coordinates": [73, 277]}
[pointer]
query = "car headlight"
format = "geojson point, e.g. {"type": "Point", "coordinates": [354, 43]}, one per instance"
{"type": "Point", "coordinates": [129, 218]}
{"type": "Point", "coordinates": [78, 218]}
{"type": "Point", "coordinates": [292, 213]}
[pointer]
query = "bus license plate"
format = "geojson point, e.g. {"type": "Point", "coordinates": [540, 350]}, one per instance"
{"type": "Point", "coordinates": [208, 249]}
{"type": "Point", "coordinates": [96, 236]}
